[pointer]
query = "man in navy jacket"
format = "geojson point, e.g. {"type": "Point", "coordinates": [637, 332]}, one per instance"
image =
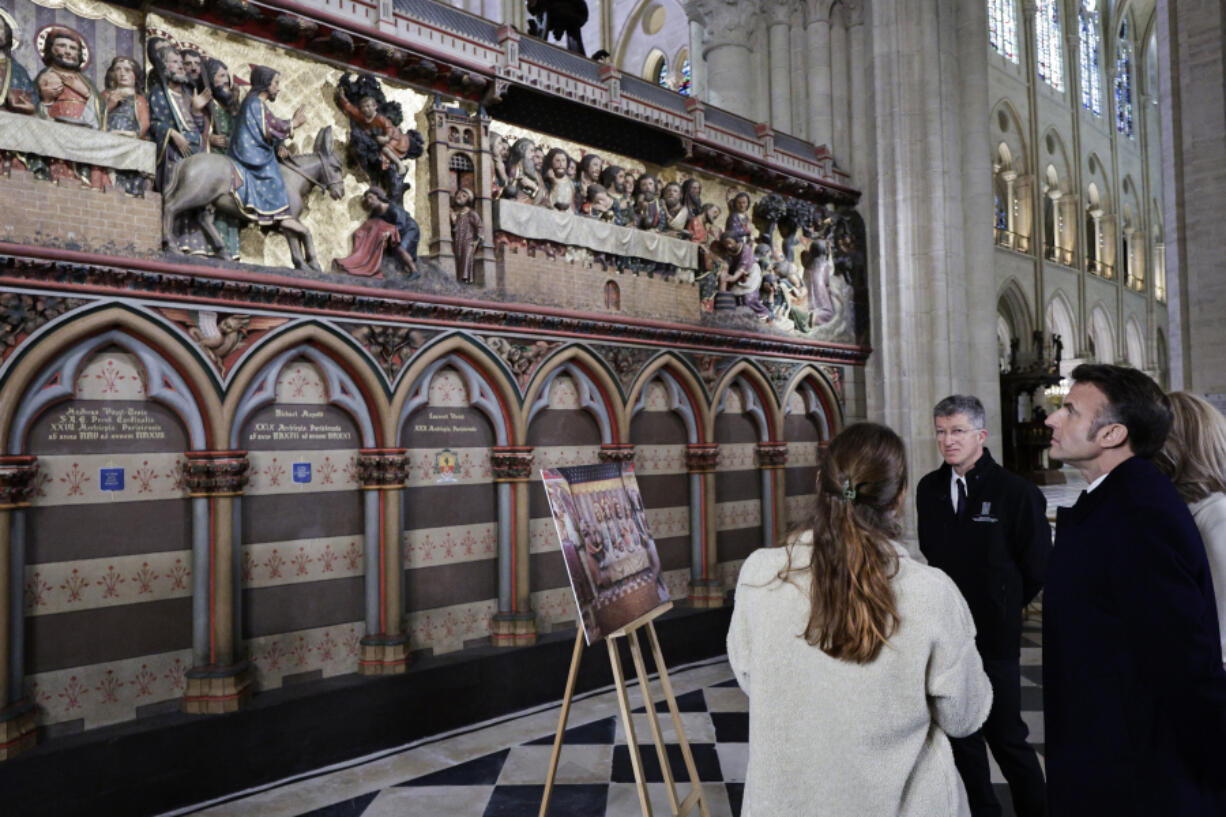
{"type": "Point", "coordinates": [987, 529]}
{"type": "Point", "coordinates": [1134, 690]}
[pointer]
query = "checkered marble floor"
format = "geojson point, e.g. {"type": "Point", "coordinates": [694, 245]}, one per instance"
{"type": "Point", "coordinates": [498, 769]}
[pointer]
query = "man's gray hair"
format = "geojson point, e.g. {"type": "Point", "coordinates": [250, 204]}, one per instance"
{"type": "Point", "coordinates": [967, 404]}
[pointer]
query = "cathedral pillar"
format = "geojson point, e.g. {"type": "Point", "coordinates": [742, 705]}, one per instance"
{"type": "Point", "coordinates": [772, 460]}
{"type": "Point", "coordinates": [705, 587]}
{"type": "Point", "coordinates": [728, 28]}
{"type": "Point", "coordinates": [220, 679]}
{"type": "Point", "coordinates": [385, 645]}
{"type": "Point", "coordinates": [17, 713]}
{"type": "Point", "coordinates": [514, 623]}
{"type": "Point", "coordinates": [839, 92]}
{"type": "Point", "coordinates": [779, 50]}
{"type": "Point", "coordinates": [857, 107]}
{"type": "Point", "coordinates": [817, 33]}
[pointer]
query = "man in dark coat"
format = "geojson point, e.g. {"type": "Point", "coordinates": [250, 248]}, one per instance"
{"type": "Point", "coordinates": [1134, 690]}
{"type": "Point", "coordinates": [987, 528]}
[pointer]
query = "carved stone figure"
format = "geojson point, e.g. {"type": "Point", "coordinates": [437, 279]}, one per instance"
{"type": "Point", "coordinates": [739, 224]}
{"type": "Point", "coordinates": [193, 68]}
{"type": "Point", "coordinates": [127, 112]}
{"type": "Point", "coordinates": [179, 118]}
{"type": "Point", "coordinates": [500, 150]}
{"type": "Point", "coordinates": [206, 182]}
{"type": "Point", "coordinates": [66, 95]}
{"type": "Point", "coordinates": [589, 169]}
{"type": "Point", "coordinates": [647, 211]}
{"type": "Point", "coordinates": [17, 94]}
{"type": "Point", "coordinates": [818, 268]}
{"type": "Point", "coordinates": [376, 141]}
{"type": "Point", "coordinates": [389, 226]}
{"type": "Point", "coordinates": [523, 181]}
{"type": "Point", "coordinates": [691, 197]}
{"type": "Point", "coordinates": [849, 261]}
{"type": "Point", "coordinates": [465, 234]}
{"type": "Point", "coordinates": [674, 216]}
{"type": "Point", "coordinates": [613, 179]}
{"type": "Point", "coordinates": [559, 184]}
{"type": "Point", "coordinates": [223, 111]}
{"type": "Point", "coordinates": [599, 203]}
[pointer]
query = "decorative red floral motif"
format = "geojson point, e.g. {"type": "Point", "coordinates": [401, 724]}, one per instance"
{"type": "Point", "coordinates": [144, 680]}
{"type": "Point", "coordinates": [300, 382]}
{"type": "Point", "coordinates": [327, 647]}
{"type": "Point", "coordinates": [40, 487]}
{"type": "Point", "coordinates": [468, 542]}
{"type": "Point", "coordinates": [177, 476]}
{"type": "Point", "coordinates": [273, 655]}
{"type": "Point", "coordinates": [353, 641]}
{"type": "Point", "coordinates": [36, 590]}
{"type": "Point", "coordinates": [145, 476]}
{"type": "Point", "coordinates": [75, 584]}
{"type": "Point", "coordinates": [301, 651]}
{"type": "Point", "coordinates": [300, 562]}
{"type": "Point", "coordinates": [75, 480]}
{"type": "Point", "coordinates": [178, 575]}
{"type": "Point", "coordinates": [176, 675]}
{"type": "Point", "coordinates": [274, 564]}
{"type": "Point", "coordinates": [351, 471]}
{"type": "Point", "coordinates": [353, 556]}
{"type": "Point", "coordinates": [327, 559]}
{"type": "Point", "coordinates": [72, 694]}
{"type": "Point", "coordinates": [109, 687]}
{"type": "Point", "coordinates": [111, 377]}
{"type": "Point", "coordinates": [248, 567]}
{"type": "Point", "coordinates": [274, 472]}
{"type": "Point", "coordinates": [326, 469]}
{"type": "Point", "coordinates": [145, 577]}
{"type": "Point", "coordinates": [110, 583]}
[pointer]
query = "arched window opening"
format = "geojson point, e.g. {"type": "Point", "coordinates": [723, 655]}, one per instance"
{"type": "Point", "coordinates": [1002, 28]}
{"type": "Point", "coordinates": [686, 78]}
{"type": "Point", "coordinates": [1048, 45]}
{"type": "Point", "coordinates": [1123, 82]}
{"type": "Point", "coordinates": [660, 73]}
{"type": "Point", "coordinates": [1091, 69]}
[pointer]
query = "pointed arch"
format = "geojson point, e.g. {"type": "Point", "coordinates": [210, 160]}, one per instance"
{"type": "Point", "coordinates": [1014, 304]}
{"type": "Point", "coordinates": [1059, 320]}
{"type": "Point", "coordinates": [44, 372]}
{"type": "Point", "coordinates": [685, 389]}
{"type": "Point", "coordinates": [749, 376]}
{"type": "Point", "coordinates": [820, 398]}
{"type": "Point", "coordinates": [1134, 343]}
{"type": "Point", "coordinates": [598, 390]}
{"type": "Point", "coordinates": [489, 384]}
{"type": "Point", "coordinates": [1102, 332]}
{"type": "Point", "coordinates": [353, 385]}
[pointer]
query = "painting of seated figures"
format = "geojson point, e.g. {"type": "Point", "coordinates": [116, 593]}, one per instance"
{"type": "Point", "coordinates": [259, 158]}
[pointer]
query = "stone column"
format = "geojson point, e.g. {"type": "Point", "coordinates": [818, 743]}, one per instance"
{"type": "Point", "coordinates": [705, 587]}
{"type": "Point", "coordinates": [840, 110]}
{"type": "Point", "coordinates": [220, 679]}
{"type": "Point", "coordinates": [857, 85]}
{"type": "Point", "coordinates": [818, 33]}
{"type": "Point", "coordinates": [728, 27]}
{"type": "Point", "coordinates": [779, 16]}
{"type": "Point", "coordinates": [698, 66]}
{"type": "Point", "coordinates": [1010, 177]}
{"type": "Point", "coordinates": [515, 622]}
{"type": "Point", "coordinates": [438, 155]}
{"type": "Point", "coordinates": [772, 460]}
{"type": "Point", "coordinates": [385, 645]}
{"type": "Point", "coordinates": [17, 713]}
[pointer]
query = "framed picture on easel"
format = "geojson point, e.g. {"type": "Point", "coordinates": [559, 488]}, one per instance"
{"type": "Point", "coordinates": [607, 546]}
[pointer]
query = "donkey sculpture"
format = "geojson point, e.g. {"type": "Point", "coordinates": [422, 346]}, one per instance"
{"type": "Point", "coordinates": [203, 183]}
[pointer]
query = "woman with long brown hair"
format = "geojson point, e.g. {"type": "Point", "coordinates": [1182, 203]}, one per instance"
{"type": "Point", "coordinates": [1194, 457]}
{"type": "Point", "coordinates": [857, 661]}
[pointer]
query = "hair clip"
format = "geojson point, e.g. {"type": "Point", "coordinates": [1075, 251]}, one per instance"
{"type": "Point", "coordinates": [849, 491]}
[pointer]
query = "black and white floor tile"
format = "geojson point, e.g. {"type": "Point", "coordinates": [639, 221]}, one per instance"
{"type": "Point", "coordinates": [498, 769]}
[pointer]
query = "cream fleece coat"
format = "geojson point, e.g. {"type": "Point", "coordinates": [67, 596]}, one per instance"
{"type": "Point", "coordinates": [829, 737]}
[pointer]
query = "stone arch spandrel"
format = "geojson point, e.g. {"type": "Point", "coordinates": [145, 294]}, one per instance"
{"type": "Point", "coordinates": [761, 387]}
{"type": "Point", "coordinates": [603, 401]}
{"type": "Point", "coordinates": [687, 381]}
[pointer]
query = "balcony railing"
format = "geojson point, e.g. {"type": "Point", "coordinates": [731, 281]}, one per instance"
{"type": "Point", "coordinates": [1059, 255]}
{"type": "Point", "coordinates": [1013, 241]}
{"type": "Point", "coordinates": [1100, 269]}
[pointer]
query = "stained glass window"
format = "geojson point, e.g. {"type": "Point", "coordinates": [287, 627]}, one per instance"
{"type": "Point", "coordinates": [1002, 28]}
{"type": "Point", "coordinates": [1047, 43]}
{"type": "Point", "coordinates": [662, 73]}
{"type": "Point", "coordinates": [1091, 70]}
{"type": "Point", "coordinates": [1123, 82]}
{"type": "Point", "coordinates": [684, 87]}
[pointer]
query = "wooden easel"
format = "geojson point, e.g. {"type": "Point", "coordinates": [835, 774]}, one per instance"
{"type": "Point", "coordinates": [630, 632]}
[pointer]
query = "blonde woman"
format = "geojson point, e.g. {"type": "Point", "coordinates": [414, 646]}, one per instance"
{"type": "Point", "coordinates": [1194, 457]}
{"type": "Point", "coordinates": [857, 661]}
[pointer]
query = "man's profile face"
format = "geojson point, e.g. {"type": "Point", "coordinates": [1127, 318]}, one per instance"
{"type": "Point", "coordinates": [1071, 438]}
{"type": "Point", "coordinates": [959, 442]}
{"type": "Point", "coordinates": [274, 88]}
{"type": "Point", "coordinates": [66, 52]}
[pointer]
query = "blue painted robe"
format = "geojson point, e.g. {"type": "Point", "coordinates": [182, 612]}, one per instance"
{"type": "Point", "coordinates": [253, 143]}
{"type": "Point", "coordinates": [169, 112]}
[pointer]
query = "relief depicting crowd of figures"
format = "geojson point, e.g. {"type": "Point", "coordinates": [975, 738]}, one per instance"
{"type": "Point", "coordinates": [223, 166]}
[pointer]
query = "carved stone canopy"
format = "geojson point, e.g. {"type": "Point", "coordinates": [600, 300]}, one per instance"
{"type": "Point", "coordinates": [216, 473]}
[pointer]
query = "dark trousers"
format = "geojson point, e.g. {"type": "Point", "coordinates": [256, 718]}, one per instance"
{"type": "Point", "coordinates": [1006, 733]}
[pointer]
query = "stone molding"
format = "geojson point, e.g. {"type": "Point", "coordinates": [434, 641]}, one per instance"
{"type": "Point", "coordinates": [18, 476]}
{"type": "Point", "coordinates": [511, 463]}
{"type": "Point", "coordinates": [701, 458]}
{"type": "Point", "coordinates": [216, 473]}
{"type": "Point", "coordinates": [382, 468]}
{"type": "Point", "coordinates": [772, 455]}
{"type": "Point", "coordinates": [724, 22]}
{"type": "Point", "coordinates": [617, 452]}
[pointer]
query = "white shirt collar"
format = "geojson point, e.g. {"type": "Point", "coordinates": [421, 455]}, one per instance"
{"type": "Point", "coordinates": [1096, 483]}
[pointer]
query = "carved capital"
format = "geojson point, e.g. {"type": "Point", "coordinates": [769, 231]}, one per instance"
{"type": "Point", "coordinates": [511, 463]}
{"type": "Point", "coordinates": [772, 455]}
{"type": "Point", "coordinates": [617, 453]}
{"type": "Point", "coordinates": [382, 468]}
{"type": "Point", "coordinates": [216, 473]}
{"type": "Point", "coordinates": [724, 21]}
{"type": "Point", "coordinates": [18, 477]}
{"type": "Point", "coordinates": [701, 458]}
{"type": "Point", "coordinates": [778, 12]}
